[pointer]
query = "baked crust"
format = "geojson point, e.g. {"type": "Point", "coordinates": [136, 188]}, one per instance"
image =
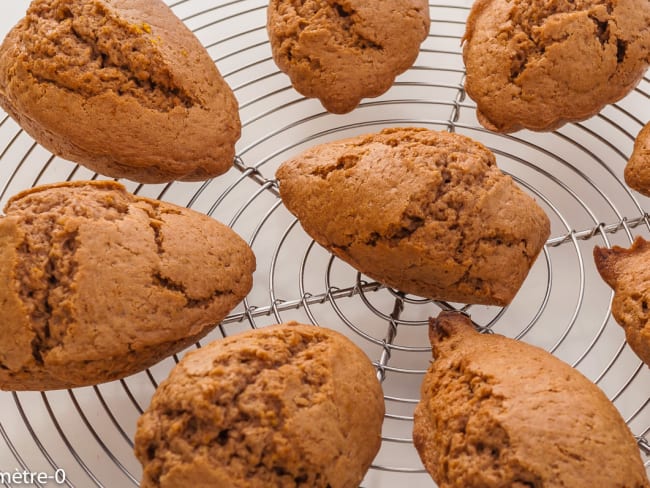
{"type": "Point", "coordinates": [497, 412]}
{"type": "Point", "coordinates": [537, 65]}
{"type": "Point", "coordinates": [120, 86]}
{"type": "Point", "coordinates": [426, 212]}
{"type": "Point", "coordinates": [341, 51]}
{"type": "Point", "coordinates": [287, 405]}
{"type": "Point", "coordinates": [97, 283]}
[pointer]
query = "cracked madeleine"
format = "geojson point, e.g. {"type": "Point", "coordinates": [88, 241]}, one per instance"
{"type": "Point", "coordinates": [341, 51]}
{"type": "Point", "coordinates": [426, 212]}
{"type": "Point", "coordinates": [538, 64]}
{"type": "Point", "coordinates": [627, 272]}
{"type": "Point", "coordinates": [287, 405]}
{"type": "Point", "coordinates": [97, 283]}
{"type": "Point", "coordinates": [637, 170]}
{"type": "Point", "coordinates": [120, 86]}
{"type": "Point", "coordinates": [496, 412]}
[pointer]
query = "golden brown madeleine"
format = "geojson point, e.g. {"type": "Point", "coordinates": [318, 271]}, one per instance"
{"type": "Point", "coordinates": [627, 271]}
{"type": "Point", "coordinates": [343, 51]}
{"type": "Point", "coordinates": [537, 64]}
{"type": "Point", "coordinates": [97, 283]}
{"type": "Point", "coordinates": [285, 405]}
{"type": "Point", "coordinates": [120, 86]}
{"type": "Point", "coordinates": [423, 211]}
{"type": "Point", "coordinates": [496, 412]}
{"type": "Point", "coordinates": [637, 170]}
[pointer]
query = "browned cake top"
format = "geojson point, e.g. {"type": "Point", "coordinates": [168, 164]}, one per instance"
{"type": "Point", "coordinates": [538, 64]}
{"type": "Point", "coordinates": [423, 211]}
{"type": "Point", "coordinates": [98, 283]}
{"type": "Point", "coordinates": [497, 412]}
{"type": "Point", "coordinates": [120, 86]}
{"type": "Point", "coordinates": [89, 49]}
{"type": "Point", "coordinates": [288, 405]}
{"type": "Point", "coordinates": [342, 51]}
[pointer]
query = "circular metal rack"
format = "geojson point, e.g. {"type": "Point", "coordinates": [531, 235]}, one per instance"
{"type": "Point", "coordinates": [575, 173]}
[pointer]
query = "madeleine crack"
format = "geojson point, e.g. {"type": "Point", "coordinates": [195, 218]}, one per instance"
{"type": "Point", "coordinates": [153, 211]}
{"type": "Point", "coordinates": [191, 302]}
{"type": "Point", "coordinates": [52, 313]}
{"type": "Point", "coordinates": [347, 21]}
{"type": "Point", "coordinates": [155, 226]}
{"type": "Point", "coordinates": [227, 438]}
{"type": "Point", "coordinates": [602, 30]}
{"type": "Point", "coordinates": [621, 50]}
{"type": "Point", "coordinates": [369, 44]}
{"type": "Point", "coordinates": [96, 51]}
{"type": "Point", "coordinates": [345, 162]}
{"type": "Point", "coordinates": [408, 225]}
{"type": "Point", "coordinates": [523, 47]}
{"type": "Point", "coordinates": [340, 10]}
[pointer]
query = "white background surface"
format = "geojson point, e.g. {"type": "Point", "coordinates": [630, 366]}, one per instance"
{"type": "Point", "coordinates": [12, 11]}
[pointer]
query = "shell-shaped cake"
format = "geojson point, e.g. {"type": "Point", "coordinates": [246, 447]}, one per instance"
{"type": "Point", "coordinates": [122, 87]}
{"type": "Point", "coordinates": [497, 412]}
{"type": "Point", "coordinates": [97, 283]}
{"type": "Point", "coordinates": [538, 64]}
{"type": "Point", "coordinates": [284, 405]}
{"type": "Point", "coordinates": [343, 51]}
{"type": "Point", "coordinates": [426, 212]}
{"type": "Point", "coordinates": [627, 272]}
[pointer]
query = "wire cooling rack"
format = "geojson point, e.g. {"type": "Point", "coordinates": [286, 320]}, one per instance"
{"type": "Point", "coordinates": [85, 435]}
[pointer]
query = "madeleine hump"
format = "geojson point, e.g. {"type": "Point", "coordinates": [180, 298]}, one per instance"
{"type": "Point", "coordinates": [496, 412]}
{"type": "Point", "coordinates": [534, 64]}
{"type": "Point", "coordinates": [426, 212]}
{"type": "Point", "coordinates": [288, 405]}
{"type": "Point", "coordinates": [122, 87]}
{"type": "Point", "coordinates": [97, 284]}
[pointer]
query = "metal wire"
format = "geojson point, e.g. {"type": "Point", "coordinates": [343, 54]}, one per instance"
{"type": "Point", "coordinates": [574, 173]}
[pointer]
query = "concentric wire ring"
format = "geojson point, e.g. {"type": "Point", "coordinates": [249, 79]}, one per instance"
{"type": "Point", "coordinates": [574, 173]}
